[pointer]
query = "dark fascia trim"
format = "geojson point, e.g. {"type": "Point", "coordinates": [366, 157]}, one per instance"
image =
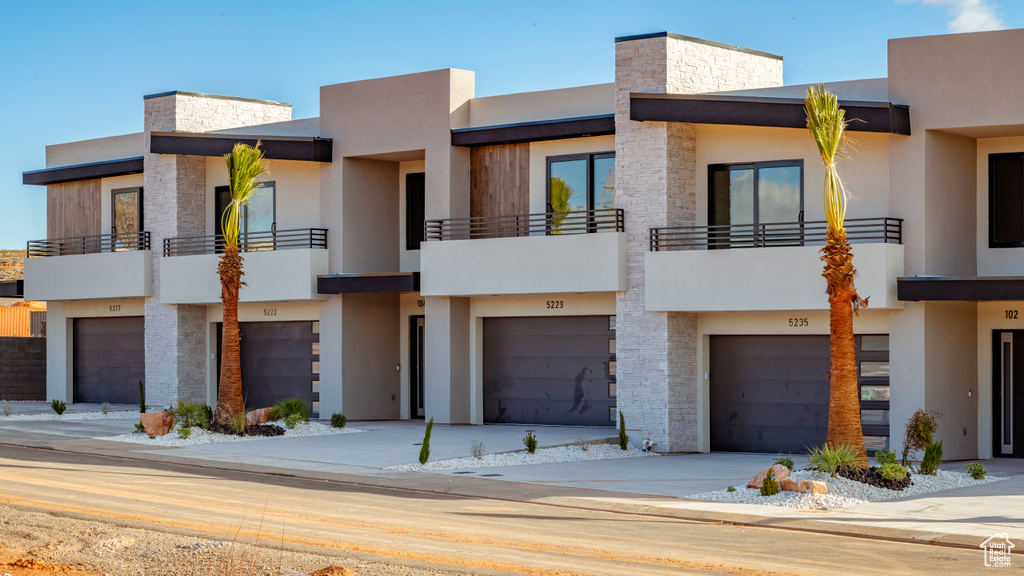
{"type": "Point", "coordinates": [386, 283]}
{"type": "Point", "coordinates": [303, 148]}
{"type": "Point", "coordinates": [535, 131]}
{"type": "Point", "coordinates": [698, 41]}
{"type": "Point", "coordinates": [90, 171]}
{"type": "Point", "coordinates": [12, 289]}
{"type": "Point", "coordinates": [960, 288]}
{"type": "Point", "coordinates": [883, 117]}
{"type": "Point", "coordinates": [217, 96]}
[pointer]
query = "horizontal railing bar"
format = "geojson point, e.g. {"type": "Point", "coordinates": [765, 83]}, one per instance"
{"type": "Point", "coordinates": [515, 225]}
{"type": "Point", "coordinates": [886, 229]}
{"type": "Point", "coordinates": [261, 241]}
{"type": "Point", "coordinates": [94, 244]}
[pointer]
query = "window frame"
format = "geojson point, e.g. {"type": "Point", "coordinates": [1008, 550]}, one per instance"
{"type": "Point", "coordinates": [992, 242]}
{"type": "Point", "coordinates": [589, 157]}
{"type": "Point", "coordinates": [415, 235]}
{"type": "Point", "coordinates": [755, 166]}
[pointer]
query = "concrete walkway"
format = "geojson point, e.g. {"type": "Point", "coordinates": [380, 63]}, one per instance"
{"type": "Point", "coordinates": [657, 485]}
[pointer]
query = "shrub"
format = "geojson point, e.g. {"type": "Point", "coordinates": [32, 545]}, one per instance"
{"type": "Point", "coordinates": [977, 471]}
{"type": "Point", "coordinates": [730, 489]}
{"type": "Point", "coordinates": [884, 457]}
{"type": "Point", "coordinates": [623, 439]}
{"type": "Point", "coordinates": [207, 416]}
{"type": "Point", "coordinates": [189, 414]}
{"type": "Point", "coordinates": [583, 441]}
{"type": "Point", "coordinates": [139, 428]}
{"type": "Point", "coordinates": [770, 487]}
{"type": "Point", "coordinates": [425, 449]}
{"type": "Point", "coordinates": [893, 471]}
{"type": "Point", "coordinates": [932, 459]}
{"type": "Point", "coordinates": [8, 409]}
{"type": "Point", "coordinates": [477, 449]}
{"type": "Point", "coordinates": [786, 461]}
{"type": "Point", "coordinates": [152, 437]}
{"type": "Point", "coordinates": [920, 430]}
{"type": "Point", "coordinates": [105, 408]}
{"type": "Point", "coordinates": [184, 433]}
{"type": "Point", "coordinates": [530, 441]}
{"type": "Point", "coordinates": [286, 408]}
{"type": "Point", "coordinates": [58, 406]}
{"type": "Point", "coordinates": [237, 423]}
{"type": "Point", "coordinates": [338, 420]}
{"type": "Point", "coordinates": [142, 398]}
{"type": "Point", "coordinates": [830, 460]}
{"type": "Point", "coordinates": [293, 419]}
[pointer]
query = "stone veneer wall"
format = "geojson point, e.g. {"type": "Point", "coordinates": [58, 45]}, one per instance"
{"type": "Point", "coordinates": [175, 205]}
{"type": "Point", "coordinates": [659, 386]}
{"type": "Point", "coordinates": [22, 368]}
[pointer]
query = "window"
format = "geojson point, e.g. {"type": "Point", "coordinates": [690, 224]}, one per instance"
{"type": "Point", "coordinates": [415, 212]}
{"type": "Point", "coordinates": [580, 182]}
{"type": "Point", "coordinates": [125, 217]}
{"type": "Point", "coordinates": [747, 196]}
{"type": "Point", "coordinates": [259, 215]}
{"type": "Point", "coordinates": [1006, 200]}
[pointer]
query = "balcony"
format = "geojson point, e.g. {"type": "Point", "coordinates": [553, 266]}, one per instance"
{"type": "Point", "coordinates": [89, 267]}
{"type": "Point", "coordinates": [542, 253]}
{"type": "Point", "coordinates": [710, 268]}
{"type": "Point", "coordinates": [279, 265]}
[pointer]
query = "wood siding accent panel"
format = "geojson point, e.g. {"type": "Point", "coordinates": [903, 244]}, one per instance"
{"type": "Point", "coordinates": [73, 209]}
{"type": "Point", "coordinates": [500, 180]}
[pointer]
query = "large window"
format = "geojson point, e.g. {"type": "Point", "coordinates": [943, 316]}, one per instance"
{"type": "Point", "coordinates": [581, 182]}
{"type": "Point", "coordinates": [258, 215]}
{"type": "Point", "coordinates": [748, 196]}
{"type": "Point", "coordinates": [1006, 200]}
{"type": "Point", "coordinates": [415, 209]}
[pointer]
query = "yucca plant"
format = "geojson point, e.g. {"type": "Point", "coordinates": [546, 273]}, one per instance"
{"type": "Point", "coordinates": [245, 165]}
{"type": "Point", "coordinates": [827, 123]}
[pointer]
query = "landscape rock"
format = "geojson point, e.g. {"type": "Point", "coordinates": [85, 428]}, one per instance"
{"type": "Point", "coordinates": [334, 571]}
{"type": "Point", "coordinates": [258, 416]}
{"type": "Point", "coordinates": [157, 423]}
{"type": "Point", "coordinates": [804, 486]}
{"type": "Point", "coordinates": [781, 473]}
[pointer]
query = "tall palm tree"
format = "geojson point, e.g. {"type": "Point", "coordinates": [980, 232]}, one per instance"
{"type": "Point", "coordinates": [827, 123]}
{"type": "Point", "coordinates": [245, 165]}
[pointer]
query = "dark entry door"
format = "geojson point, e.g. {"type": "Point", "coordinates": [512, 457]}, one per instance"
{"type": "Point", "coordinates": [550, 370]}
{"type": "Point", "coordinates": [1008, 394]}
{"type": "Point", "coordinates": [279, 360]}
{"type": "Point", "coordinates": [109, 359]}
{"type": "Point", "coordinates": [416, 348]}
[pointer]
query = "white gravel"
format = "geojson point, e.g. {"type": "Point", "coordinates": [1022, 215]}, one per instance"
{"type": "Point", "coordinates": [522, 457]}
{"type": "Point", "coordinates": [843, 492]}
{"type": "Point", "coordinates": [200, 436]}
{"type": "Point", "coordinates": [112, 415]}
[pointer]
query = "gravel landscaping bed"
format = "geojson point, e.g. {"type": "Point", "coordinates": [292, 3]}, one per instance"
{"type": "Point", "coordinates": [843, 492]}
{"type": "Point", "coordinates": [112, 415]}
{"type": "Point", "coordinates": [200, 436]}
{"type": "Point", "coordinates": [542, 456]}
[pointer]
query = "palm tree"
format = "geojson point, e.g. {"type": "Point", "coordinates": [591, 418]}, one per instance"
{"type": "Point", "coordinates": [827, 123]}
{"type": "Point", "coordinates": [245, 164]}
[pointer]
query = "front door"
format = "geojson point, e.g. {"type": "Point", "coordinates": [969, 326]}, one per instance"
{"type": "Point", "coordinates": [416, 362]}
{"type": "Point", "coordinates": [1008, 390]}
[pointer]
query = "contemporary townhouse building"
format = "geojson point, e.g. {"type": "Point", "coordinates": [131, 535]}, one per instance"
{"type": "Point", "coordinates": [649, 246]}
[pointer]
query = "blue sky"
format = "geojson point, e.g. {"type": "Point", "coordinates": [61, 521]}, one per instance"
{"type": "Point", "coordinates": [77, 70]}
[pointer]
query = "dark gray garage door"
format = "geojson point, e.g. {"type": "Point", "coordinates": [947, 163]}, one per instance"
{"type": "Point", "coordinates": [551, 370]}
{"type": "Point", "coordinates": [279, 360]}
{"type": "Point", "coordinates": [768, 393]}
{"type": "Point", "coordinates": [109, 359]}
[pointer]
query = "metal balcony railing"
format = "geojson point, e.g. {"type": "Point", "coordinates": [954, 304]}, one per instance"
{"type": "Point", "coordinates": [97, 244]}
{"type": "Point", "coordinates": [248, 242]}
{"type": "Point", "coordinates": [516, 225]}
{"type": "Point", "coordinates": [858, 230]}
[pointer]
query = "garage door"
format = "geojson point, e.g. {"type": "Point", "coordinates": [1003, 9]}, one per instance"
{"type": "Point", "coordinates": [279, 360]}
{"type": "Point", "coordinates": [768, 393]}
{"type": "Point", "coordinates": [108, 359]}
{"type": "Point", "coordinates": [551, 370]}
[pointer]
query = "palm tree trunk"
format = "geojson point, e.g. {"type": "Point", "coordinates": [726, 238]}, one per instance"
{"type": "Point", "coordinates": [844, 426]}
{"type": "Point", "coordinates": [229, 394]}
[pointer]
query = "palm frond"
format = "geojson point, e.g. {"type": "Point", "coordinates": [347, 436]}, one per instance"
{"type": "Point", "coordinates": [827, 123]}
{"type": "Point", "coordinates": [245, 164]}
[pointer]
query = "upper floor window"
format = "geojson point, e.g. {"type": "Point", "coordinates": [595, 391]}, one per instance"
{"type": "Point", "coordinates": [415, 209]}
{"type": "Point", "coordinates": [1006, 200]}
{"type": "Point", "coordinates": [756, 193]}
{"type": "Point", "coordinates": [581, 182]}
{"type": "Point", "coordinates": [258, 215]}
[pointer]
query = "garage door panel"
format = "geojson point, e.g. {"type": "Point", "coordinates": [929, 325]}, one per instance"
{"type": "Point", "coordinates": [108, 359]}
{"type": "Point", "coordinates": [546, 367]}
{"type": "Point", "coordinates": [756, 414]}
{"type": "Point", "coordinates": [779, 368]}
{"type": "Point", "coordinates": [277, 362]}
{"type": "Point", "coordinates": [772, 391]}
{"type": "Point", "coordinates": [786, 439]}
{"type": "Point", "coordinates": [559, 326]}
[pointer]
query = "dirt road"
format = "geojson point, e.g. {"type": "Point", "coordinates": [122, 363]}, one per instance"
{"type": "Point", "coordinates": [130, 507]}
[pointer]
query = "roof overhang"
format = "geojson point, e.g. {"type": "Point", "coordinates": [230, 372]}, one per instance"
{"type": "Point", "coordinates": [960, 288]}
{"type": "Point", "coordinates": [302, 148]}
{"type": "Point", "coordinates": [92, 170]}
{"type": "Point", "coordinates": [387, 283]}
{"type": "Point", "coordinates": [12, 289]}
{"type": "Point", "coordinates": [884, 117]}
{"type": "Point", "coordinates": [535, 131]}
